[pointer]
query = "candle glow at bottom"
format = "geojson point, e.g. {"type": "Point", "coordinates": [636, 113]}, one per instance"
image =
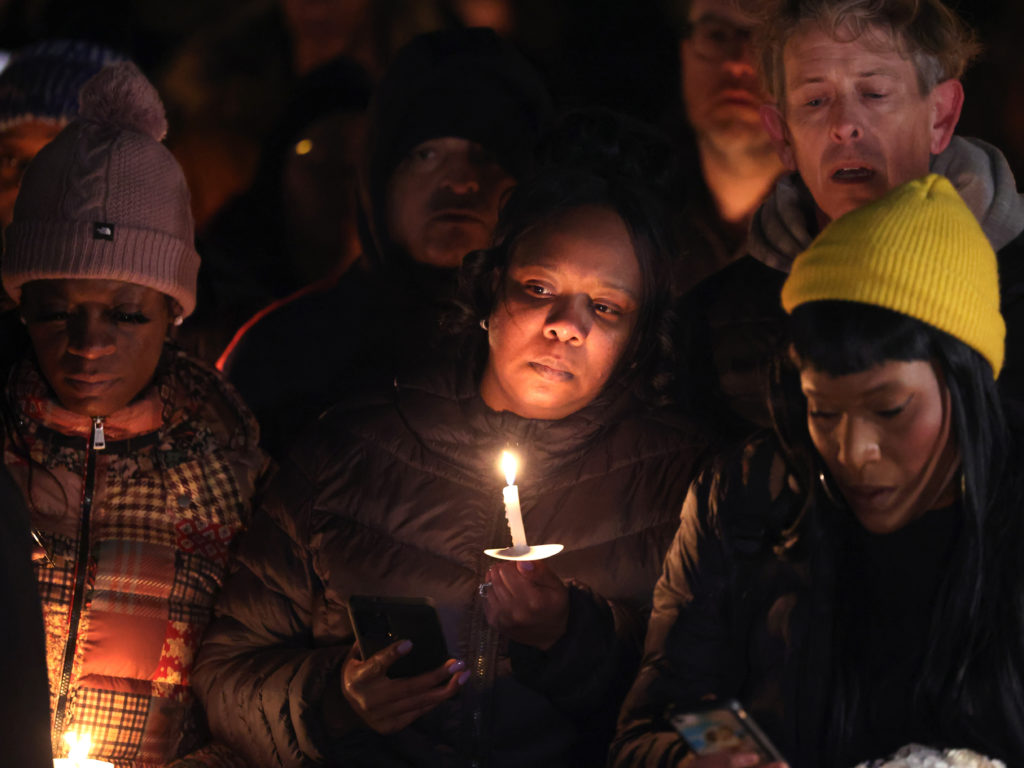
{"type": "Point", "coordinates": [78, 754]}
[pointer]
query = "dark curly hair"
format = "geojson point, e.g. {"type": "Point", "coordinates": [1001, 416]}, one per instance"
{"type": "Point", "coordinates": [593, 158]}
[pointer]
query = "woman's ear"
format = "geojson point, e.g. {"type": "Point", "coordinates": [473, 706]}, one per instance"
{"type": "Point", "coordinates": [176, 312]}
{"type": "Point", "coordinates": [794, 358]}
{"type": "Point", "coordinates": [775, 125]}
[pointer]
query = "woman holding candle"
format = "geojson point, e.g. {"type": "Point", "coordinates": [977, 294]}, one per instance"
{"type": "Point", "coordinates": [137, 463]}
{"type": "Point", "coordinates": [857, 580]}
{"type": "Point", "coordinates": [400, 495]}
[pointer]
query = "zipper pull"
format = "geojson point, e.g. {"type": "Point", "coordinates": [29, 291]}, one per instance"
{"type": "Point", "coordinates": [38, 539]}
{"type": "Point", "coordinates": [99, 442]}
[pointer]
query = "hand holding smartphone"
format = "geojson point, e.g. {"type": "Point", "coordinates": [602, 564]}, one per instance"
{"type": "Point", "coordinates": [724, 728]}
{"type": "Point", "coordinates": [380, 621]}
{"type": "Point", "coordinates": [404, 671]}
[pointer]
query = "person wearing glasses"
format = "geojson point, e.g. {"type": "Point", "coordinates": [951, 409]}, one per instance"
{"type": "Point", "coordinates": [733, 162]}
{"type": "Point", "coordinates": [727, 170]}
{"type": "Point", "coordinates": [862, 97]}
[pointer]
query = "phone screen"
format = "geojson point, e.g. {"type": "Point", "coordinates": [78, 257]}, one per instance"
{"type": "Point", "coordinates": [726, 728]}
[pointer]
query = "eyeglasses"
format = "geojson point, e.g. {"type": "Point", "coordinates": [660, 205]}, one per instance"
{"type": "Point", "coordinates": [12, 169]}
{"type": "Point", "coordinates": [716, 39]}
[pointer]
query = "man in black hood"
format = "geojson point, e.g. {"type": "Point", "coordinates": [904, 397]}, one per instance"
{"type": "Point", "coordinates": [469, 101]}
{"type": "Point", "coordinates": [453, 124]}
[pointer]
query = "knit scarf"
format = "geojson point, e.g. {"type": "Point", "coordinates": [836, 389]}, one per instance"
{"type": "Point", "coordinates": [785, 225]}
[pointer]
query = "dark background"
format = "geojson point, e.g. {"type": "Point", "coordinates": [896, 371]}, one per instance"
{"type": "Point", "coordinates": [616, 53]}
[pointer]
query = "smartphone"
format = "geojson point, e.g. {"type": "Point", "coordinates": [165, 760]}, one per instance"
{"type": "Point", "coordinates": [724, 727]}
{"type": "Point", "coordinates": [380, 621]}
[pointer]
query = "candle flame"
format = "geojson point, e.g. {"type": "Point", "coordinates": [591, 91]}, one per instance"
{"type": "Point", "coordinates": [509, 465]}
{"type": "Point", "coordinates": [79, 746]}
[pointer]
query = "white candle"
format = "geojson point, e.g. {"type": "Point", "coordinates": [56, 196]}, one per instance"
{"type": "Point", "coordinates": [78, 754]}
{"type": "Point", "coordinates": [513, 513]}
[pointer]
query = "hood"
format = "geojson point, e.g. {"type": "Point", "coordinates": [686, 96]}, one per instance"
{"type": "Point", "coordinates": [785, 224]}
{"type": "Point", "coordinates": [466, 83]}
{"type": "Point", "coordinates": [983, 178]}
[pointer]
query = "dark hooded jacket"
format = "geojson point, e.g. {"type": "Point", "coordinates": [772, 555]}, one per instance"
{"type": "Point", "coordinates": [732, 325]}
{"type": "Point", "coordinates": [385, 313]}
{"type": "Point", "coordinates": [400, 496]}
{"type": "Point", "coordinates": [25, 717]}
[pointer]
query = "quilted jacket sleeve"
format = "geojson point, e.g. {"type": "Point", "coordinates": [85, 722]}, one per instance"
{"type": "Point", "coordinates": [271, 689]}
{"type": "Point", "coordinates": [687, 648]}
{"type": "Point", "coordinates": [597, 657]}
{"type": "Point", "coordinates": [587, 672]}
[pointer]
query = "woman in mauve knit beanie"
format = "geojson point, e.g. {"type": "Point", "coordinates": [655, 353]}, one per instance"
{"type": "Point", "coordinates": [103, 217]}
{"type": "Point", "coordinates": [137, 462]}
{"type": "Point", "coordinates": [855, 578]}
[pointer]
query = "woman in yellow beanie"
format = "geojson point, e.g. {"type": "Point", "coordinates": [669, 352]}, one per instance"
{"type": "Point", "coordinates": [856, 578]}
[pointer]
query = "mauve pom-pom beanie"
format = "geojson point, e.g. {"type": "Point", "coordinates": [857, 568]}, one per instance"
{"type": "Point", "coordinates": [106, 199]}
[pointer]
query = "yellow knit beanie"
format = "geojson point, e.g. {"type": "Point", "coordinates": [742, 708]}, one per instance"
{"type": "Point", "coordinates": [918, 251]}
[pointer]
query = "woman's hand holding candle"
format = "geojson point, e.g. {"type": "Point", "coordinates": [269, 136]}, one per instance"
{"type": "Point", "coordinates": [527, 603]}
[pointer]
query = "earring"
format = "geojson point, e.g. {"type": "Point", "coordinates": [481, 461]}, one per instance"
{"type": "Point", "coordinates": [828, 490]}
{"type": "Point", "coordinates": [483, 323]}
{"type": "Point", "coordinates": [23, 320]}
{"type": "Point", "coordinates": [178, 320]}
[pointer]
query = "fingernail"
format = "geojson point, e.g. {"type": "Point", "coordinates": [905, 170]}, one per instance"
{"type": "Point", "coordinates": [456, 666]}
{"type": "Point", "coordinates": [748, 758]}
{"type": "Point", "coordinates": [464, 677]}
{"type": "Point", "coordinates": [405, 646]}
{"type": "Point", "coordinates": [526, 567]}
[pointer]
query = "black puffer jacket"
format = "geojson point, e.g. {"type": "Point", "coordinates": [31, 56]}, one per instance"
{"type": "Point", "coordinates": [400, 497]}
{"type": "Point", "coordinates": [735, 619]}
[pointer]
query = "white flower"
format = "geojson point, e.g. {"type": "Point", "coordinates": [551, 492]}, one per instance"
{"type": "Point", "coordinates": [918, 756]}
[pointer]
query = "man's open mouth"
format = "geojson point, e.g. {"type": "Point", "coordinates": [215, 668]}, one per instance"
{"type": "Point", "coordinates": [853, 174]}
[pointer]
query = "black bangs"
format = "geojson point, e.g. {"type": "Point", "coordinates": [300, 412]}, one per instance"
{"type": "Point", "coordinates": [842, 337]}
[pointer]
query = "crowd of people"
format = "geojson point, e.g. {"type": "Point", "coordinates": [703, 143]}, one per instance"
{"type": "Point", "coordinates": [761, 368]}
